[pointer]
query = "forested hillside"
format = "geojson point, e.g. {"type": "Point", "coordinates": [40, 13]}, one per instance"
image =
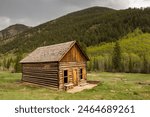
{"type": "Point", "coordinates": [135, 54]}
{"type": "Point", "coordinates": [90, 27]}
{"type": "Point", "coordinates": [97, 28]}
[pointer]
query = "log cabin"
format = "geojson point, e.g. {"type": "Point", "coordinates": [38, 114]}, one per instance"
{"type": "Point", "coordinates": [60, 66]}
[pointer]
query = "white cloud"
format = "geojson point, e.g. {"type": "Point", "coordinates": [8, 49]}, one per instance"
{"type": "Point", "coordinates": [116, 4]}
{"type": "Point", "coordinates": [26, 21]}
{"type": "Point", "coordinates": [34, 12]}
{"type": "Point", "coordinates": [4, 22]}
{"type": "Point", "coordinates": [139, 3]}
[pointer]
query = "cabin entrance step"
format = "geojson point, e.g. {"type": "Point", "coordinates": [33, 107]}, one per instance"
{"type": "Point", "coordinates": [83, 84]}
{"type": "Point", "coordinates": [68, 86]}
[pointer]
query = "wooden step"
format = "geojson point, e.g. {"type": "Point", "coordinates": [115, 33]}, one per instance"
{"type": "Point", "coordinates": [83, 84]}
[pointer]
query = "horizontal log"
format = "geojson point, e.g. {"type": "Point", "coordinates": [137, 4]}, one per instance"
{"type": "Point", "coordinates": [41, 70]}
{"type": "Point", "coordinates": [71, 63]}
{"type": "Point", "coordinates": [52, 84]}
{"type": "Point", "coordinates": [40, 74]}
{"type": "Point", "coordinates": [41, 84]}
{"type": "Point", "coordinates": [68, 64]}
{"type": "Point", "coordinates": [35, 84]}
{"type": "Point", "coordinates": [42, 78]}
{"type": "Point", "coordinates": [42, 81]}
{"type": "Point", "coordinates": [71, 67]}
{"type": "Point", "coordinates": [40, 64]}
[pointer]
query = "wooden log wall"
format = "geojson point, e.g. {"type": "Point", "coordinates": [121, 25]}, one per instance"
{"type": "Point", "coordinates": [41, 73]}
{"type": "Point", "coordinates": [74, 59]}
{"type": "Point", "coordinates": [70, 66]}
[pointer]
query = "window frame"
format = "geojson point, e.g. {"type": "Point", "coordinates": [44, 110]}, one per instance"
{"type": "Point", "coordinates": [65, 77]}
{"type": "Point", "coordinates": [81, 73]}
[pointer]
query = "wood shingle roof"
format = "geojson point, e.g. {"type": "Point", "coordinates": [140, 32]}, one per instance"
{"type": "Point", "coordinates": [49, 53]}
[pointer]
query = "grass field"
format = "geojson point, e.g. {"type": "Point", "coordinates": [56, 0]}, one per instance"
{"type": "Point", "coordinates": [113, 86]}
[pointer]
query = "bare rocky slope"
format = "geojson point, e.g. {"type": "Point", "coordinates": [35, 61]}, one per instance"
{"type": "Point", "coordinates": [12, 31]}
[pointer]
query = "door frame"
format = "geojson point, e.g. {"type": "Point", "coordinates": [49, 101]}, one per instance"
{"type": "Point", "coordinates": [75, 80]}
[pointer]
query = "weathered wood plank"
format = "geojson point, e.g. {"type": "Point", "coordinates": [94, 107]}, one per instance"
{"type": "Point", "coordinates": [39, 83]}
{"type": "Point", "coordinates": [45, 74]}
{"type": "Point", "coordinates": [38, 77]}
{"type": "Point", "coordinates": [40, 64]}
{"type": "Point", "coordinates": [41, 74]}
{"type": "Point", "coordinates": [41, 70]}
{"type": "Point", "coordinates": [74, 55]}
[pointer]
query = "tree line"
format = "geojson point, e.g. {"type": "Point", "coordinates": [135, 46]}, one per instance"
{"type": "Point", "coordinates": [129, 63]}
{"type": "Point", "coordinates": [11, 64]}
{"type": "Point", "coordinates": [131, 55]}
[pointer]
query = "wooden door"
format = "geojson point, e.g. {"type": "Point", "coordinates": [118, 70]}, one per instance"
{"type": "Point", "coordinates": [75, 79]}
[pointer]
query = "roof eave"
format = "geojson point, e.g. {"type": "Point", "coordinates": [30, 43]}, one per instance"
{"type": "Point", "coordinates": [38, 62]}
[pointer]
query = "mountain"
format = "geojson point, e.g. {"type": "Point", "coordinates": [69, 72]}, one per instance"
{"type": "Point", "coordinates": [89, 26]}
{"type": "Point", "coordinates": [54, 31]}
{"type": "Point", "coordinates": [12, 31]}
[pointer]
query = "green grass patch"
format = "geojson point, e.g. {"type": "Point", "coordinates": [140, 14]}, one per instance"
{"type": "Point", "coordinates": [113, 86]}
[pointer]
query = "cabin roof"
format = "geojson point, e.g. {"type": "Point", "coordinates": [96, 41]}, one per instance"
{"type": "Point", "coordinates": [51, 53]}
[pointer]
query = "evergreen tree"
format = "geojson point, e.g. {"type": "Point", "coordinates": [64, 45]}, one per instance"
{"type": "Point", "coordinates": [130, 65]}
{"type": "Point", "coordinates": [17, 66]}
{"type": "Point", "coordinates": [8, 63]}
{"type": "Point", "coordinates": [116, 59]}
{"type": "Point", "coordinates": [145, 65]}
{"type": "Point", "coordinates": [4, 63]}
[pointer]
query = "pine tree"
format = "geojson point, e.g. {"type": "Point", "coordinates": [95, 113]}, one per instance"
{"type": "Point", "coordinates": [8, 63]}
{"type": "Point", "coordinates": [116, 59]}
{"type": "Point", "coordinates": [130, 65]}
{"type": "Point", "coordinates": [17, 66]}
{"type": "Point", "coordinates": [145, 65]}
{"type": "Point", "coordinates": [4, 63]}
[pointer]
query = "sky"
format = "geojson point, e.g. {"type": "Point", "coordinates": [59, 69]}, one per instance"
{"type": "Point", "coordinates": [35, 12]}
